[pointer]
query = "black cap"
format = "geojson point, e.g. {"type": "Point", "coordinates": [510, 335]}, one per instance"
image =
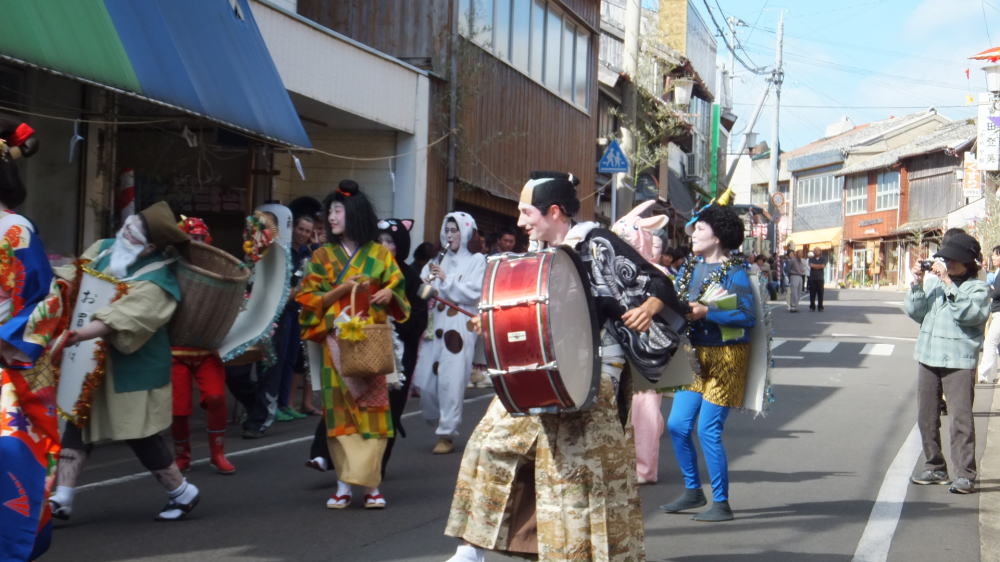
{"type": "Point", "coordinates": [545, 189]}
{"type": "Point", "coordinates": [960, 247]}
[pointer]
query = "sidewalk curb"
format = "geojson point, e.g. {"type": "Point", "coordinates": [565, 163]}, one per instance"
{"type": "Point", "coordinates": [989, 503]}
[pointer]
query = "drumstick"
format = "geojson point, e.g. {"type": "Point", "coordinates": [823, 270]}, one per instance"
{"type": "Point", "coordinates": [454, 306]}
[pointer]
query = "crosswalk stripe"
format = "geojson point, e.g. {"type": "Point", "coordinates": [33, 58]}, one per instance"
{"type": "Point", "coordinates": [775, 342]}
{"type": "Point", "coordinates": [882, 349]}
{"type": "Point", "coordinates": [819, 347]}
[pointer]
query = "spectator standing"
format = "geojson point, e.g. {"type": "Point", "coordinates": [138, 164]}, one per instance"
{"type": "Point", "coordinates": [987, 367]}
{"type": "Point", "coordinates": [423, 254]}
{"type": "Point", "coordinates": [507, 240]}
{"type": "Point", "coordinates": [817, 277]}
{"type": "Point", "coordinates": [765, 275]}
{"type": "Point", "coordinates": [952, 314]}
{"type": "Point", "coordinates": [796, 275]}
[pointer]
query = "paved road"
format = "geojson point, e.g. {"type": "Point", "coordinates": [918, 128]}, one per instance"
{"type": "Point", "coordinates": [804, 479]}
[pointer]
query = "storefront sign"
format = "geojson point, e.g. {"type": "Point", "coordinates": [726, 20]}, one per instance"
{"type": "Point", "coordinates": [971, 184]}
{"type": "Point", "coordinates": [870, 222]}
{"type": "Point", "coordinates": [988, 134]}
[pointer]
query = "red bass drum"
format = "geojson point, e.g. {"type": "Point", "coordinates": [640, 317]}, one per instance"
{"type": "Point", "coordinates": [540, 332]}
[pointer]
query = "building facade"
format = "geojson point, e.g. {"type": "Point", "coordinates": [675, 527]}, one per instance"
{"type": "Point", "coordinates": [513, 86]}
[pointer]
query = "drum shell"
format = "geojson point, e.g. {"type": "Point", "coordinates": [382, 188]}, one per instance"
{"type": "Point", "coordinates": [213, 286]}
{"type": "Point", "coordinates": [520, 335]}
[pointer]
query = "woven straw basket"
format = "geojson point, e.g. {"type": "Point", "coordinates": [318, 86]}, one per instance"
{"type": "Point", "coordinates": [213, 284]}
{"type": "Point", "coordinates": [370, 357]}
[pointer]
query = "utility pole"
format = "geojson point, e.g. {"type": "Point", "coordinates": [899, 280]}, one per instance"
{"type": "Point", "coordinates": [733, 23]}
{"type": "Point", "coordinates": [777, 76]}
{"type": "Point", "coordinates": [633, 21]}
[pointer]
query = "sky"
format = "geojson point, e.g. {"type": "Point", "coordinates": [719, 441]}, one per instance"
{"type": "Point", "coordinates": [864, 59]}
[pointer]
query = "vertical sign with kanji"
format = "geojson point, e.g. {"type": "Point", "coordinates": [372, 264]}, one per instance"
{"type": "Point", "coordinates": [988, 133]}
{"type": "Point", "coordinates": [79, 360]}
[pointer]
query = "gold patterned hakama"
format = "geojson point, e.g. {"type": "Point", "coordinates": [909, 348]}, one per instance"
{"type": "Point", "coordinates": [583, 467]}
{"type": "Point", "coordinates": [723, 376]}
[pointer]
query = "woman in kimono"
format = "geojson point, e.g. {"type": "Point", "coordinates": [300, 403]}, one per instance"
{"type": "Point", "coordinates": [358, 421]}
{"type": "Point", "coordinates": [29, 429]}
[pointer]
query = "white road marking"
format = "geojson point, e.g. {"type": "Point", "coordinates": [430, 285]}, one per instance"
{"type": "Point", "coordinates": [882, 349]}
{"type": "Point", "coordinates": [775, 342]}
{"type": "Point", "coordinates": [199, 462]}
{"type": "Point", "coordinates": [873, 337]}
{"type": "Point", "coordinates": [788, 357]}
{"type": "Point", "coordinates": [877, 536]}
{"type": "Point", "coordinates": [819, 346]}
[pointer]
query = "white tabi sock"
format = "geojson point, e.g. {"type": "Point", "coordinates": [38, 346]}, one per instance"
{"type": "Point", "coordinates": [468, 553]}
{"type": "Point", "coordinates": [343, 488]}
{"type": "Point", "coordinates": [64, 496]}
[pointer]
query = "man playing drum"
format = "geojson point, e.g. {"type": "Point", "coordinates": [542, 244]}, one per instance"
{"type": "Point", "coordinates": [566, 481]}
{"type": "Point", "coordinates": [133, 402]}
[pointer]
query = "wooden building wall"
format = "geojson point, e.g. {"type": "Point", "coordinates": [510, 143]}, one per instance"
{"type": "Point", "coordinates": [509, 124]}
{"type": "Point", "coordinates": [415, 31]}
{"type": "Point", "coordinates": [514, 125]}
{"type": "Point", "coordinates": [934, 191]}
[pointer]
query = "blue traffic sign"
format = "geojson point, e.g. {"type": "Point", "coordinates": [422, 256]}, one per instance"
{"type": "Point", "coordinates": [613, 161]}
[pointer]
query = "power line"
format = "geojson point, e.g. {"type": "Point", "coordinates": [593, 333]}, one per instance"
{"type": "Point", "coordinates": [802, 59]}
{"type": "Point", "coordinates": [865, 48]}
{"type": "Point", "coordinates": [733, 25]}
{"type": "Point", "coordinates": [725, 40]}
{"type": "Point", "coordinates": [982, 4]}
{"type": "Point", "coordinates": [757, 19]}
{"type": "Point", "coordinates": [864, 106]}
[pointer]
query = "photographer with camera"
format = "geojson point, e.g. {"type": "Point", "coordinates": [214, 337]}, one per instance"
{"type": "Point", "coordinates": [952, 314]}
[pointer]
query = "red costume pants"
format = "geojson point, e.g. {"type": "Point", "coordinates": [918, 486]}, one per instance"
{"type": "Point", "coordinates": [206, 368]}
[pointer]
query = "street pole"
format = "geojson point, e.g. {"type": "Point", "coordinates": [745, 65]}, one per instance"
{"type": "Point", "coordinates": [776, 78]}
{"type": "Point", "coordinates": [633, 20]}
{"type": "Point", "coordinates": [451, 171]}
{"type": "Point", "coordinates": [743, 147]}
{"type": "Point", "coordinates": [733, 22]}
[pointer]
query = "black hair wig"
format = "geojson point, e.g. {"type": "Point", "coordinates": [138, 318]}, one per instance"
{"type": "Point", "coordinates": [362, 223]}
{"type": "Point", "coordinates": [12, 192]}
{"type": "Point", "coordinates": [726, 225]}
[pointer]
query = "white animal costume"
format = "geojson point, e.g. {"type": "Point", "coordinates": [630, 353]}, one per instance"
{"type": "Point", "coordinates": [444, 362]}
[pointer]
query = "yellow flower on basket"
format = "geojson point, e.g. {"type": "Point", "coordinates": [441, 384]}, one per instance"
{"type": "Point", "coordinates": [353, 329]}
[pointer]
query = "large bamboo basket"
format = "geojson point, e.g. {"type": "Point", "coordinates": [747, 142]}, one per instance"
{"type": "Point", "coordinates": [213, 284]}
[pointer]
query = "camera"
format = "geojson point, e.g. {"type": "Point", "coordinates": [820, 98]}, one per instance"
{"type": "Point", "coordinates": [925, 265]}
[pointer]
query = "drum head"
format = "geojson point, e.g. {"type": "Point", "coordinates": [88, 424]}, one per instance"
{"type": "Point", "coordinates": [572, 327]}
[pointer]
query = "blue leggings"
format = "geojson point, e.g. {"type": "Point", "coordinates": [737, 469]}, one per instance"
{"type": "Point", "coordinates": [711, 418]}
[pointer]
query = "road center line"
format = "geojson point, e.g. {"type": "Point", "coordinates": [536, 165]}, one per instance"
{"type": "Point", "coordinates": [877, 536]}
{"type": "Point", "coordinates": [244, 452]}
